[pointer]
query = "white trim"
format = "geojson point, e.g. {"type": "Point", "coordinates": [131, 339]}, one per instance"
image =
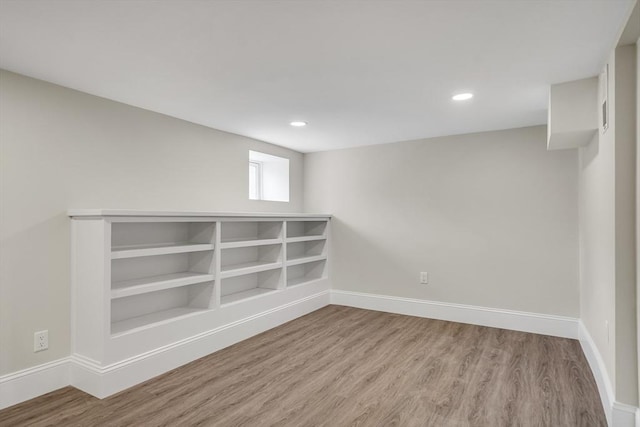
{"type": "Point", "coordinates": [599, 370]}
{"type": "Point", "coordinates": [256, 185]}
{"type": "Point", "coordinates": [103, 381]}
{"type": "Point", "coordinates": [623, 415]}
{"type": "Point", "coordinates": [546, 324]}
{"type": "Point", "coordinates": [75, 213]}
{"type": "Point", "coordinates": [618, 414]}
{"type": "Point", "coordinates": [33, 382]}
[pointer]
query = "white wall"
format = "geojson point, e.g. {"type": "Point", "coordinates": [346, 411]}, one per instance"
{"type": "Point", "coordinates": [607, 231]}
{"type": "Point", "coordinates": [63, 149]}
{"type": "Point", "coordinates": [597, 233]}
{"type": "Point", "coordinates": [491, 216]}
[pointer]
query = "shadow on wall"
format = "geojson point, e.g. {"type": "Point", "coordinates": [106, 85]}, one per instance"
{"type": "Point", "coordinates": [590, 152]}
{"type": "Point", "coordinates": [349, 269]}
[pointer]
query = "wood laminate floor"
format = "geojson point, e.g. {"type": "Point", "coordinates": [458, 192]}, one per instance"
{"type": "Point", "coordinates": [343, 366]}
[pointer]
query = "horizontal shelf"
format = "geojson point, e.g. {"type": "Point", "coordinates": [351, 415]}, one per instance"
{"type": "Point", "coordinates": [248, 268]}
{"type": "Point", "coordinates": [240, 296]}
{"type": "Point", "coordinates": [243, 243]}
{"type": "Point", "coordinates": [305, 259]}
{"type": "Point", "coordinates": [157, 283]}
{"type": "Point", "coordinates": [120, 252]}
{"type": "Point", "coordinates": [305, 238]}
{"type": "Point", "coordinates": [147, 215]}
{"type": "Point", "coordinates": [129, 325]}
{"type": "Point", "coordinates": [303, 281]}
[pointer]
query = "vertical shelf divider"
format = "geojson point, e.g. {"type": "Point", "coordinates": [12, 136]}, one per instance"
{"type": "Point", "coordinates": [283, 282]}
{"type": "Point", "coordinates": [327, 231]}
{"type": "Point", "coordinates": [106, 291]}
{"type": "Point", "coordinates": [217, 256]}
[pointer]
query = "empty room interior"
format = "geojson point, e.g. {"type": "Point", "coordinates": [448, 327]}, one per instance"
{"type": "Point", "coordinates": [319, 213]}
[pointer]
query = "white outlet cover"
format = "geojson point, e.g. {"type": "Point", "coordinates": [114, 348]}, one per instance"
{"type": "Point", "coordinates": [40, 341]}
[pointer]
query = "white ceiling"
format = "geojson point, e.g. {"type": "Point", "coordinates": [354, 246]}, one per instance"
{"type": "Point", "coordinates": [360, 72]}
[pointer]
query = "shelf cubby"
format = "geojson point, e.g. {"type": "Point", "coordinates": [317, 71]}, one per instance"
{"type": "Point", "coordinates": [305, 239]}
{"type": "Point", "coordinates": [250, 259]}
{"type": "Point", "coordinates": [132, 287]}
{"type": "Point", "coordinates": [132, 272]}
{"type": "Point", "coordinates": [239, 288]}
{"type": "Point", "coordinates": [306, 229]}
{"type": "Point", "coordinates": [131, 240]}
{"type": "Point", "coordinates": [305, 260]}
{"type": "Point", "coordinates": [306, 272]}
{"type": "Point", "coordinates": [137, 251]}
{"type": "Point", "coordinates": [306, 249]}
{"type": "Point", "coordinates": [142, 310]}
{"type": "Point", "coordinates": [250, 233]}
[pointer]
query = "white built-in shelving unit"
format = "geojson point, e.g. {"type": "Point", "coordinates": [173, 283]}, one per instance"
{"type": "Point", "coordinates": [250, 259]}
{"type": "Point", "coordinates": [140, 274]}
{"type": "Point", "coordinates": [160, 271]}
{"type": "Point", "coordinates": [306, 251]}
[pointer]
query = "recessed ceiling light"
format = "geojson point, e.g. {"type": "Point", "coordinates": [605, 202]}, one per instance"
{"type": "Point", "coordinates": [462, 96]}
{"type": "Point", "coordinates": [298, 124]}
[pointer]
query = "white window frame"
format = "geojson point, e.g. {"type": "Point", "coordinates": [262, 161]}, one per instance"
{"type": "Point", "coordinates": [257, 182]}
{"type": "Point", "coordinates": [272, 177]}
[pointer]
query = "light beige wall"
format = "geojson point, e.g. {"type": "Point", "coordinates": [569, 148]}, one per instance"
{"type": "Point", "coordinates": [607, 231]}
{"type": "Point", "coordinates": [492, 217]}
{"type": "Point", "coordinates": [597, 234]}
{"type": "Point", "coordinates": [63, 149]}
{"type": "Point", "coordinates": [626, 332]}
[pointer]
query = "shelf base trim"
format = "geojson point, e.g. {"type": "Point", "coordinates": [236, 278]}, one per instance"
{"type": "Point", "coordinates": [103, 381]}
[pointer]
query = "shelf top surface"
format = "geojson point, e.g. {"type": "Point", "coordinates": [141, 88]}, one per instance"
{"type": "Point", "coordinates": [140, 213]}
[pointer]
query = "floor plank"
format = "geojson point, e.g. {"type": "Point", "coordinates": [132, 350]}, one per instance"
{"type": "Point", "coordinates": [343, 366]}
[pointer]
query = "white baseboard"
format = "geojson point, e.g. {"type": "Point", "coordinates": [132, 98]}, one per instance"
{"type": "Point", "coordinates": [623, 415]}
{"type": "Point", "coordinates": [103, 381]}
{"type": "Point", "coordinates": [33, 382]}
{"type": "Point", "coordinates": [599, 371]}
{"type": "Point", "coordinates": [559, 326]}
{"type": "Point", "coordinates": [618, 414]}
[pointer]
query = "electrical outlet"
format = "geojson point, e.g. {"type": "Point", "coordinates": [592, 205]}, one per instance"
{"type": "Point", "coordinates": [40, 341]}
{"type": "Point", "coordinates": [424, 278]}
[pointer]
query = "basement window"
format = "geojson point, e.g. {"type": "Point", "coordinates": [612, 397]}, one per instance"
{"type": "Point", "coordinates": [268, 177]}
